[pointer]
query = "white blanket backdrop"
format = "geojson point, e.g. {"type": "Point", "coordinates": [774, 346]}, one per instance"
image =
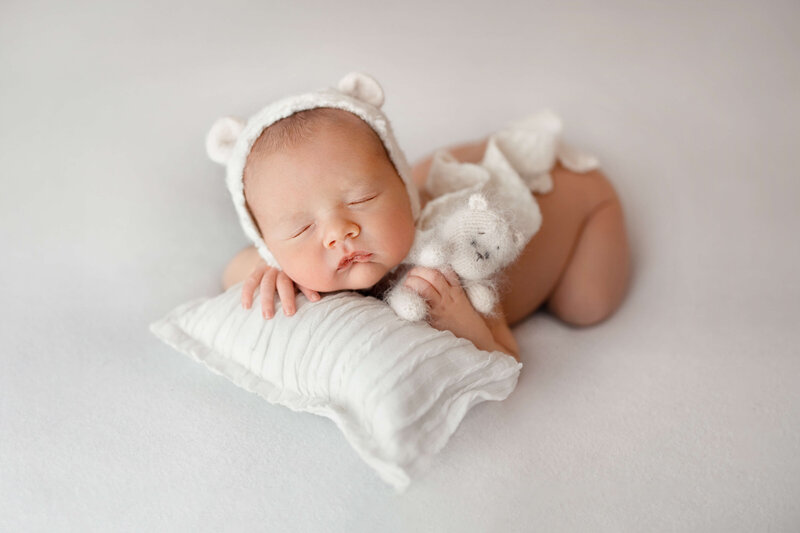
{"type": "Point", "coordinates": [680, 413]}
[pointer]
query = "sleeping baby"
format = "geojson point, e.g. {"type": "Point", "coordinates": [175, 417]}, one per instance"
{"type": "Point", "coordinates": [325, 194]}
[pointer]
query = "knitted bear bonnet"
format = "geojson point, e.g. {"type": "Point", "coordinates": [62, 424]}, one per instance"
{"type": "Point", "coordinates": [230, 140]}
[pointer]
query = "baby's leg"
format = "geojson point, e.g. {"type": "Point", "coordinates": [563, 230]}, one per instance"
{"type": "Point", "coordinates": [577, 264]}
{"type": "Point", "coordinates": [597, 276]}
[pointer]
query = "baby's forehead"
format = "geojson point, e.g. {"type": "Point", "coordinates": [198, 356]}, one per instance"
{"type": "Point", "coordinates": [349, 165]}
{"type": "Point", "coordinates": [287, 141]}
{"type": "Point", "coordinates": [289, 203]}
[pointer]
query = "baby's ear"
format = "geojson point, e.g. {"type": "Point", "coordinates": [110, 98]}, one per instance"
{"type": "Point", "coordinates": [362, 87]}
{"type": "Point", "coordinates": [222, 137]}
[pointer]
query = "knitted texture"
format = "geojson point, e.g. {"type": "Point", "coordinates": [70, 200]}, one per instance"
{"type": "Point", "coordinates": [476, 242]}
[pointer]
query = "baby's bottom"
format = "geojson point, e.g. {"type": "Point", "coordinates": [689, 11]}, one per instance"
{"type": "Point", "coordinates": [578, 264]}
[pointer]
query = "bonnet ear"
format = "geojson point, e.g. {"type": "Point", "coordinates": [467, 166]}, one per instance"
{"type": "Point", "coordinates": [362, 87]}
{"type": "Point", "coordinates": [222, 137]}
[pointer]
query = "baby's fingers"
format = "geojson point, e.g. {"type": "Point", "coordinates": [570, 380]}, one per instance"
{"type": "Point", "coordinates": [250, 283]}
{"type": "Point", "coordinates": [424, 288]}
{"type": "Point", "coordinates": [310, 294]}
{"type": "Point", "coordinates": [451, 276]}
{"type": "Point", "coordinates": [268, 293]}
{"type": "Point", "coordinates": [286, 292]}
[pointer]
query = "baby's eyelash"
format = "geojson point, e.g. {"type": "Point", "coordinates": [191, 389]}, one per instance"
{"type": "Point", "coordinates": [297, 234]}
{"type": "Point", "coordinates": [365, 200]}
{"type": "Point", "coordinates": [301, 231]}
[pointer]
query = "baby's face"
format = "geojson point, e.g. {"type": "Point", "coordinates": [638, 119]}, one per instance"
{"type": "Point", "coordinates": [326, 198]}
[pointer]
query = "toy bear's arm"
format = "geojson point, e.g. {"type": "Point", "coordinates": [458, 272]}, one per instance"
{"type": "Point", "coordinates": [481, 295]}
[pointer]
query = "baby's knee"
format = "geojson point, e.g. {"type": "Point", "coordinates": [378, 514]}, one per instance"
{"type": "Point", "coordinates": [586, 308]}
{"type": "Point", "coordinates": [596, 280]}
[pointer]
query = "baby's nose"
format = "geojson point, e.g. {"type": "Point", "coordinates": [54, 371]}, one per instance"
{"type": "Point", "coordinates": [340, 232]}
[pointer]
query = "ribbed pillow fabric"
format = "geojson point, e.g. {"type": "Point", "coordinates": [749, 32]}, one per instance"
{"type": "Point", "coordinates": [397, 390]}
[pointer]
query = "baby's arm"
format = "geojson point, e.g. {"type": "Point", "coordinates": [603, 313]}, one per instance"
{"type": "Point", "coordinates": [451, 310]}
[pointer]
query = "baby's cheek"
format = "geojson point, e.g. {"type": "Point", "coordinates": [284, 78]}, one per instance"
{"type": "Point", "coordinates": [399, 235]}
{"type": "Point", "coordinates": [306, 275]}
{"type": "Point", "coordinates": [297, 266]}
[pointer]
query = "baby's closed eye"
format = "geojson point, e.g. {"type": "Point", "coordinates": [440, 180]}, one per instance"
{"type": "Point", "coordinates": [363, 200]}
{"type": "Point", "coordinates": [301, 231]}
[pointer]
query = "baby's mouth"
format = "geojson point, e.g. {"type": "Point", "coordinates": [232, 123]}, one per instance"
{"type": "Point", "coordinates": [355, 257]}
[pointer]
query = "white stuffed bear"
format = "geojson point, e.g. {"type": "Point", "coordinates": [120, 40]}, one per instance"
{"type": "Point", "coordinates": [476, 242]}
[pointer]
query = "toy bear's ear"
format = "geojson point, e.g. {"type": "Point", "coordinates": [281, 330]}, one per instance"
{"type": "Point", "coordinates": [478, 201]}
{"type": "Point", "coordinates": [362, 87]}
{"type": "Point", "coordinates": [519, 239]}
{"type": "Point", "coordinates": [222, 137]}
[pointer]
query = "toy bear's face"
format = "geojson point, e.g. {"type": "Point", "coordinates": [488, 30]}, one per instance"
{"type": "Point", "coordinates": [481, 243]}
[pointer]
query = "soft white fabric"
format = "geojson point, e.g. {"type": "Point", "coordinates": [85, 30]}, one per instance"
{"type": "Point", "coordinates": [230, 140]}
{"type": "Point", "coordinates": [396, 389]}
{"type": "Point", "coordinates": [518, 159]}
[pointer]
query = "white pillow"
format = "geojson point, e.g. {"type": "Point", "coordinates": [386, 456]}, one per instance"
{"type": "Point", "coordinates": [396, 389]}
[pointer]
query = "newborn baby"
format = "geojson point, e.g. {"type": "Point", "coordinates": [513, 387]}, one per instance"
{"type": "Point", "coordinates": [335, 214]}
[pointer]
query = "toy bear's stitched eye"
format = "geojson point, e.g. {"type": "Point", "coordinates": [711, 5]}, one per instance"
{"type": "Point", "coordinates": [481, 232]}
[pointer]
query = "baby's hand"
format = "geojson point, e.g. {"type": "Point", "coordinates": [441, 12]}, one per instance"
{"type": "Point", "coordinates": [268, 279]}
{"type": "Point", "coordinates": [450, 308]}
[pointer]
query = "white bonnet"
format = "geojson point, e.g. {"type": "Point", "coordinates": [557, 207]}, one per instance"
{"type": "Point", "coordinates": [230, 140]}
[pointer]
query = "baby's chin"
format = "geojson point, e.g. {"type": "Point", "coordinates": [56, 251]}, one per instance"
{"type": "Point", "coordinates": [357, 276]}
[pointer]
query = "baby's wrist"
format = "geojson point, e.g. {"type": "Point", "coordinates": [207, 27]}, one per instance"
{"type": "Point", "coordinates": [481, 336]}
{"type": "Point", "coordinates": [485, 340]}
